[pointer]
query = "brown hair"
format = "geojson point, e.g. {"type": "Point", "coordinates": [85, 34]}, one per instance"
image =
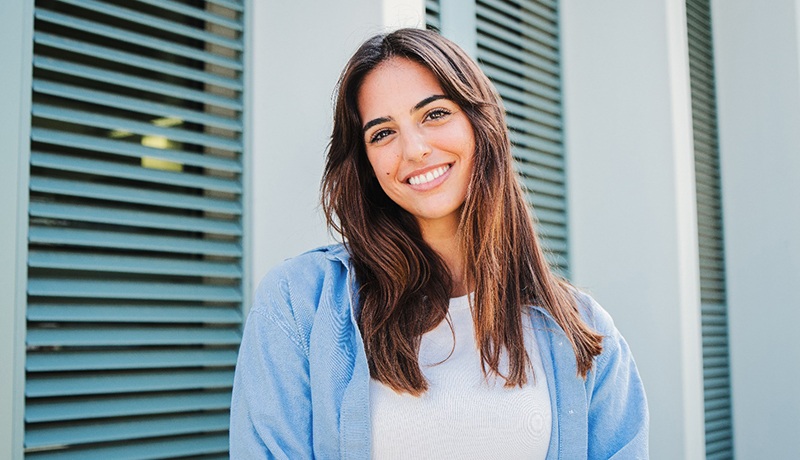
{"type": "Point", "coordinates": [405, 285]}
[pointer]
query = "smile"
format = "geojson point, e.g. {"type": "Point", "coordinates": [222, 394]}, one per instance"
{"type": "Point", "coordinates": [429, 176]}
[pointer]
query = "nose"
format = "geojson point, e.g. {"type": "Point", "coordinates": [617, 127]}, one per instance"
{"type": "Point", "coordinates": [415, 145]}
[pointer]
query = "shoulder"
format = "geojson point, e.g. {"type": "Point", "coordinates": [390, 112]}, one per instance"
{"type": "Point", "coordinates": [593, 314]}
{"type": "Point", "coordinates": [291, 291]}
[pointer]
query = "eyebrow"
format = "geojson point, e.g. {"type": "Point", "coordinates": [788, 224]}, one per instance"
{"type": "Point", "coordinates": [418, 106]}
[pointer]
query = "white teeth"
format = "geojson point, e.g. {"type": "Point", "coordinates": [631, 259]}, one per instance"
{"type": "Point", "coordinates": [429, 176]}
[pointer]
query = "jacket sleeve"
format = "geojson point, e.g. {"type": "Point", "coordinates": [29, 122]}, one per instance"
{"type": "Point", "coordinates": [618, 414]}
{"type": "Point", "coordinates": [271, 402]}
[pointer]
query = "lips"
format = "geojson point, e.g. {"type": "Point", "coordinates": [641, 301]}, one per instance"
{"type": "Point", "coordinates": [424, 178]}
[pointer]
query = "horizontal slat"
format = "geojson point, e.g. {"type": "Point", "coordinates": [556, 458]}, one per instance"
{"type": "Point", "coordinates": [46, 287]}
{"type": "Point", "coordinates": [504, 75]}
{"type": "Point", "coordinates": [162, 313]}
{"type": "Point", "coordinates": [115, 430]}
{"type": "Point", "coordinates": [134, 104]}
{"type": "Point", "coordinates": [134, 218]}
{"type": "Point", "coordinates": [230, 4]}
{"type": "Point", "coordinates": [520, 110]}
{"type": "Point", "coordinates": [519, 42]}
{"type": "Point", "coordinates": [136, 38]}
{"type": "Point", "coordinates": [116, 406]}
{"type": "Point", "coordinates": [534, 149]}
{"type": "Point", "coordinates": [134, 60]}
{"type": "Point", "coordinates": [195, 13]}
{"type": "Point", "coordinates": [133, 82]}
{"type": "Point", "coordinates": [520, 69]}
{"type": "Point", "coordinates": [95, 238]}
{"type": "Point", "coordinates": [125, 171]}
{"type": "Point", "coordinates": [158, 23]}
{"type": "Point", "coordinates": [79, 117]}
{"type": "Point", "coordinates": [530, 11]}
{"type": "Point", "coordinates": [83, 383]}
{"type": "Point", "coordinates": [128, 149]}
{"type": "Point", "coordinates": [546, 107]}
{"type": "Point", "coordinates": [133, 195]}
{"type": "Point", "coordinates": [128, 264]}
{"type": "Point", "coordinates": [141, 450]}
{"type": "Point", "coordinates": [72, 336]}
{"type": "Point", "coordinates": [138, 359]}
{"type": "Point", "coordinates": [518, 22]}
{"type": "Point", "coordinates": [521, 125]}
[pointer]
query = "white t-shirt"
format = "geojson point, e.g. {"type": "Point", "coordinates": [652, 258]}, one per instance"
{"type": "Point", "coordinates": [463, 414]}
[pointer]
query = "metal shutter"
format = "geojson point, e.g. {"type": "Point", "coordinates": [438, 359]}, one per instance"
{"type": "Point", "coordinates": [518, 48]}
{"type": "Point", "coordinates": [135, 267]}
{"type": "Point", "coordinates": [432, 14]}
{"type": "Point", "coordinates": [716, 370]}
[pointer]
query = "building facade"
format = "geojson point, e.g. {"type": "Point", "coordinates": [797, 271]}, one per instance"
{"type": "Point", "coordinates": [160, 156]}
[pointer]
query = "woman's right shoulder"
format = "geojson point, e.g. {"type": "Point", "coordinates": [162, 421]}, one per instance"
{"type": "Point", "coordinates": [293, 288]}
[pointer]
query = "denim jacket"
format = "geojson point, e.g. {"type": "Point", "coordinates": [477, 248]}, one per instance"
{"type": "Point", "coordinates": [301, 388]}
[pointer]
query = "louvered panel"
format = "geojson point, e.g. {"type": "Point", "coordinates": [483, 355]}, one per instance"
{"type": "Point", "coordinates": [152, 403]}
{"type": "Point", "coordinates": [121, 171]}
{"type": "Point", "coordinates": [85, 189]}
{"type": "Point", "coordinates": [158, 21]}
{"type": "Point", "coordinates": [716, 365]}
{"type": "Point", "coordinates": [140, 39]}
{"type": "Point", "coordinates": [133, 60]}
{"type": "Point", "coordinates": [146, 449]}
{"type": "Point", "coordinates": [77, 141]}
{"type": "Point", "coordinates": [133, 105]}
{"type": "Point", "coordinates": [161, 312]}
{"type": "Point", "coordinates": [147, 359]}
{"type": "Point", "coordinates": [94, 120]}
{"type": "Point", "coordinates": [131, 336]}
{"type": "Point", "coordinates": [135, 242]}
{"type": "Point", "coordinates": [115, 240]}
{"type": "Point", "coordinates": [91, 383]}
{"type": "Point", "coordinates": [518, 48]}
{"type": "Point", "coordinates": [432, 17]}
{"type": "Point", "coordinates": [132, 82]}
{"type": "Point", "coordinates": [92, 289]}
{"type": "Point", "coordinates": [133, 218]}
{"type": "Point", "coordinates": [128, 428]}
{"type": "Point", "coordinates": [123, 264]}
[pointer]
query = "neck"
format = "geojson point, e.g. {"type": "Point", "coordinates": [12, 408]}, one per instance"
{"type": "Point", "coordinates": [444, 239]}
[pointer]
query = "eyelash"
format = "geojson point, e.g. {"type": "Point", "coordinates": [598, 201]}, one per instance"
{"type": "Point", "coordinates": [379, 135]}
{"type": "Point", "coordinates": [439, 113]}
{"type": "Point", "coordinates": [434, 114]}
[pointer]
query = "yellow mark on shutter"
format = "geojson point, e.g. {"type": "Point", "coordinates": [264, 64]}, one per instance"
{"type": "Point", "coordinates": [159, 142]}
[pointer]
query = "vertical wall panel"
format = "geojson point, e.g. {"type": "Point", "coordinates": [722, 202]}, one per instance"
{"type": "Point", "coordinates": [716, 370]}
{"type": "Point", "coordinates": [135, 248]}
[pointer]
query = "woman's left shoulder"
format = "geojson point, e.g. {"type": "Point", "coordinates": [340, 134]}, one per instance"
{"type": "Point", "coordinates": [593, 314]}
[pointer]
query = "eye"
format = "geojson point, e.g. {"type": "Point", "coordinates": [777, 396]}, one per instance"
{"type": "Point", "coordinates": [379, 135]}
{"type": "Point", "coordinates": [437, 114]}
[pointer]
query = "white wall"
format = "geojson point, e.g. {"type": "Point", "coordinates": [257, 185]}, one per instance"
{"type": "Point", "coordinates": [632, 211]}
{"type": "Point", "coordinates": [757, 54]}
{"type": "Point", "coordinates": [298, 50]}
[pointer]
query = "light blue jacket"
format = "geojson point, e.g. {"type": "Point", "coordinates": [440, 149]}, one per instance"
{"type": "Point", "coordinates": [301, 389]}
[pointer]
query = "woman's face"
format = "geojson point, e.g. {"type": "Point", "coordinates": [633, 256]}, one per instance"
{"type": "Point", "coordinates": [420, 143]}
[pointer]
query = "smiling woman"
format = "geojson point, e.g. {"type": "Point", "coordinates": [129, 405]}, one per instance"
{"type": "Point", "coordinates": [419, 143]}
{"type": "Point", "coordinates": [437, 329]}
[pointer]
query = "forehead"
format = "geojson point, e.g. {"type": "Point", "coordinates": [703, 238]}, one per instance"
{"type": "Point", "coordinates": [395, 84]}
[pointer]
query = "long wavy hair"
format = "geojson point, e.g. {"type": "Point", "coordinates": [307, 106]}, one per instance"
{"type": "Point", "coordinates": [404, 285]}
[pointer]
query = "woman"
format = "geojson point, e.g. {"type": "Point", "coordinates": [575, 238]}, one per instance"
{"type": "Point", "coordinates": [438, 329]}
